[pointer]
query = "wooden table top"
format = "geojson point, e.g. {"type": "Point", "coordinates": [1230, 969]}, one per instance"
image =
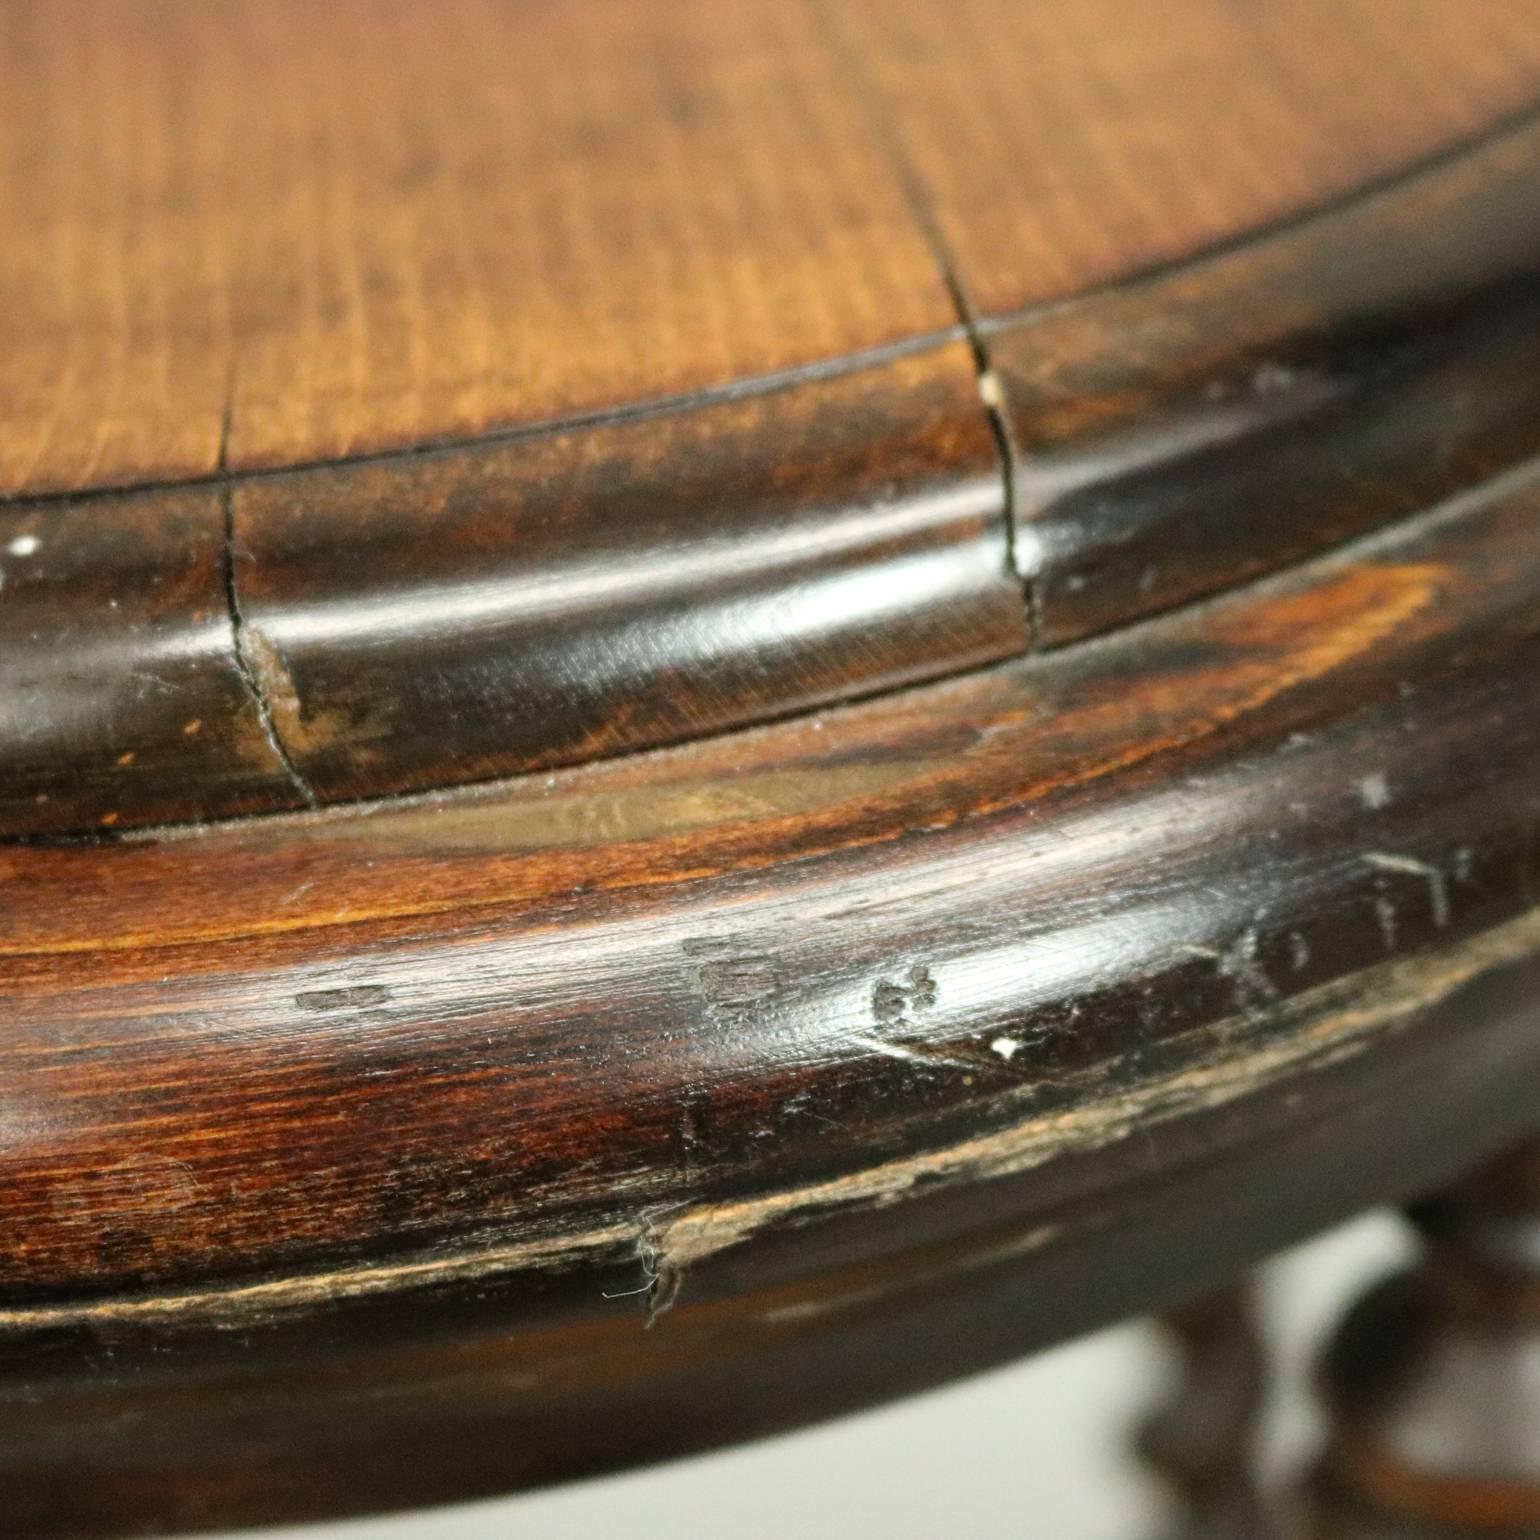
{"type": "Point", "coordinates": [708, 710]}
{"type": "Point", "coordinates": [399, 396]}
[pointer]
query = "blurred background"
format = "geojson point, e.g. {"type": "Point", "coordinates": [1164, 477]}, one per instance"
{"type": "Point", "coordinates": [1038, 1449]}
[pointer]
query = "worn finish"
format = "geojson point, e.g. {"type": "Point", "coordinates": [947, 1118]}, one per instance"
{"type": "Point", "coordinates": [121, 698]}
{"type": "Point", "coordinates": [547, 601]}
{"type": "Point", "coordinates": [582, 958]}
{"type": "Point", "coordinates": [179, 1415]}
{"type": "Point", "coordinates": [703, 374]}
{"type": "Point", "coordinates": [1188, 432]}
{"type": "Point", "coordinates": [444, 618]}
{"type": "Point", "coordinates": [451, 617]}
{"type": "Point", "coordinates": [980, 991]}
{"type": "Point", "coordinates": [486, 389]}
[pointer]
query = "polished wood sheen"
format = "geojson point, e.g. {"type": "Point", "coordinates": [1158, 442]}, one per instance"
{"type": "Point", "coordinates": [121, 693]}
{"type": "Point", "coordinates": [400, 621]}
{"type": "Point", "coordinates": [451, 617]}
{"type": "Point", "coordinates": [1191, 430]}
{"type": "Point", "coordinates": [1012, 988]}
{"type": "Point", "coordinates": [547, 601]}
{"type": "Point", "coordinates": [582, 958]}
{"type": "Point", "coordinates": [708, 711]}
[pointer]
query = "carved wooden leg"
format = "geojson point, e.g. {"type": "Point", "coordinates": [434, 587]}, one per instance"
{"type": "Point", "coordinates": [1434, 1380]}
{"type": "Point", "coordinates": [1203, 1439]}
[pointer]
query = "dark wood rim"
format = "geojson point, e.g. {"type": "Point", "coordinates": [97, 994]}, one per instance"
{"type": "Point", "coordinates": [365, 629]}
{"type": "Point", "coordinates": [1012, 1002]}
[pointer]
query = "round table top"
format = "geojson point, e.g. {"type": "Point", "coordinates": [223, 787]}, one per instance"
{"type": "Point", "coordinates": [399, 396]}
{"type": "Point", "coordinates": [708, 710]}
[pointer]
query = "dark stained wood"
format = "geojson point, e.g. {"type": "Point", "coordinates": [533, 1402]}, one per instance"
{"type": "Point", "coordinates": [485, 388]}
{"type": "Point", "coordinates": [1063, 147]}
{"type": "Point", "coordinates": [581, 958]}
{"type": "Point", "coordinates": [451, 617]}
{"type": "Point", "coordinates": [1431, 1379]}
{"type": "Point", "coordinates": [121, 699]}
{"type": "Point", "coordinates": [1006, 1004]}
{"type": "Point", "coordinates": [436, 619]}
{"type": "Point", "coordinates": [551, 600]}
{"type": "Point", "coordinates": [175, 1418]}
{"type": "Point", "coordinates": [1186, 433]}
{"type": "Point", "coordinates": [203, 285]}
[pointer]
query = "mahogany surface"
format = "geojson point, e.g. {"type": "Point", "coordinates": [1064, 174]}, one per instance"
{"type": "Point", "coordinates": [712, 710]}
{"type": "Point", "coordinates": [1184, 433]}
{"type": "Point", "coordinates": [552, 600]}
{"type": "Point", "coordinates": [1033, 997]}
{"type": "Point", "coordinates": [401, 621]}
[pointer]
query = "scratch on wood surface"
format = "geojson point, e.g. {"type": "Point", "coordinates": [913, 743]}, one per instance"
{"type": "Point", "coordinates": [1240, 964]}
{"type": "Point", "coordinates": [1348, 1013]}
{"type": "Point", "coordinates": [1337, 1020]}
{"type": "Point", "coordinates": [1438, 886]}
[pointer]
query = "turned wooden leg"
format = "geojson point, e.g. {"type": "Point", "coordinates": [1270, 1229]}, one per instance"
{"type": "Point", "coordinates": [1203, 1439]}
{"type": "Point", "coordinates": [1434, 1380]}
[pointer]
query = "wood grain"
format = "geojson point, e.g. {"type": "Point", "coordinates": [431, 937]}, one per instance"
{"type": "Point", "coordinates": [395, 396]}
{"type": "Point", "coordinates": [1184, 433]}
{"type": "Point", "coordinates": [1063, 147]}
{"type": "Point", "coordinates": [437, 618]}
{"type": "Point", "coordinates": [487, 611]}
{"type": "Point", "coordinates": [851, 1051]}
{"type": "Point", "coordinates": [121, 698]}
{"type": "Point", "coordinates": [171, 1421]}
{"type": "Point", "coordinates": [579, 958]}
{"type": "Point", "coordinates": [225, 248]}
{"type": "Point", "coordinates": [428, 223]}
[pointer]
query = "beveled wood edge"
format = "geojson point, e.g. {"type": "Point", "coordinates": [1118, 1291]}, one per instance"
{"type": "Point", "coordinates": [1294, 1013]}
{"type": "Point", "coordinates": [1334, 1022]}
{"type": "Point", "coordinates": [936, 832]}
{"type": "Point", "coordinates": [514, 609]}
{"type": "Point", "coordinates": [1186, 431]}
{"type": "Point", "coordinates": [1321, 286]}
{"type": "Point", "coordinates": [891, 467]}
{"type": "Point", "coordinates": [181, 1405]}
